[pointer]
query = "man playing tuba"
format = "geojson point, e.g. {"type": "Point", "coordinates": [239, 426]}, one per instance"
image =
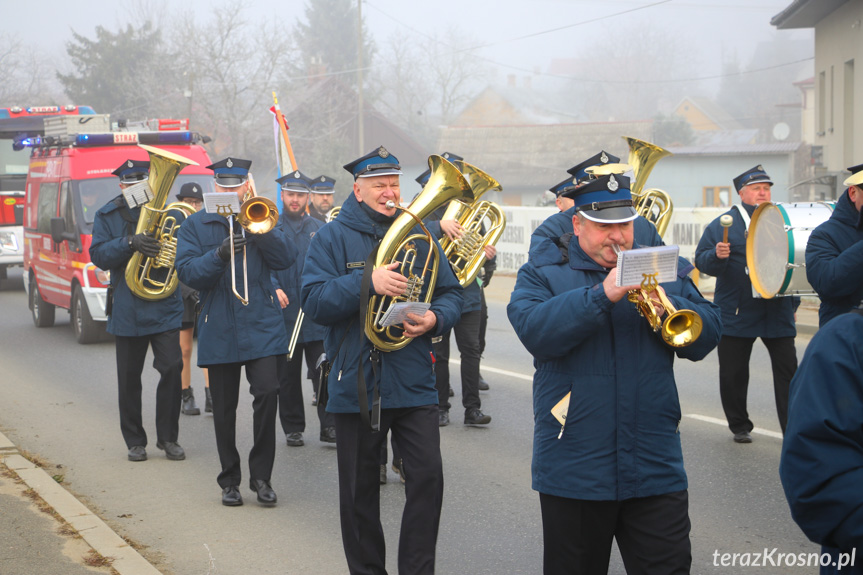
{"type": "Point", "coordinates": [139, 323]}
{"type": "Point", "coordinates": [403, 378]}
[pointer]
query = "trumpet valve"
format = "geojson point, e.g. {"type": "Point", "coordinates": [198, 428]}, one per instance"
{"type": "Point", "coordinates": [414, 288]}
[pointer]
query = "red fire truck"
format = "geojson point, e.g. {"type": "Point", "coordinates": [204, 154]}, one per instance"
{"type": "Point", "coordinates": [69, 179]}
{"type": "Point", "coordinates": [17, 125]}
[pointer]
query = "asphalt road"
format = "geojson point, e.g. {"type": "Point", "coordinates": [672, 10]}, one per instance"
{"type": "Point", "coordinates": [58, 400]}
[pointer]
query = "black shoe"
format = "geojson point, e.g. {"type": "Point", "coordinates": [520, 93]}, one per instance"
{"type": "Point", "coordinates": [451, 392]}
{"type": "Point", "coordinates": [189, 407]}
{"type": "Point", "coordinates": [476, 417]}
{"type": "Point", "coordinates": [443, 418]}
{"type": "Point", "coordinates": [294, 439]}
{"type": "Point", "coordinates": [383, 473]}
{"type": "Point", "coordinates": [266, 495]}
{"type": "Point", "coordinates": [208, 402]}
{"type": "Point", "coordinates": [172, 450]}
{"type": "Point", "coordinates": [399, 467]}
{"type": "Point", "coordinates": [483, 384]}
{"type": "Point", "coordinates": [328, 434]}
{"type": "Point", "coordinates": [137, 453]}
{"type": "Point", "coordinates": [742, 437]}
{"type": "Point", "coordinates": [231, 496]}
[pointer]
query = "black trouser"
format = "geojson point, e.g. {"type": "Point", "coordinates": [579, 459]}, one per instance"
{"type": "Point", "coordinates": [652, 534]}
{"type": "Point", "coordinates": [734, 353]}
{"type": "Point", "coordinates": [225, 392]}
{"type": "Point", "coordinates": [358, 448]}
{"type": "Point", "coordinates": [292, 412]}
{"type": "Point", "coordinates": [168, 361]}
{"type": "Point", "coordinates": [483, 321]}
{"type": "Point", "coordinates": [467, 339]}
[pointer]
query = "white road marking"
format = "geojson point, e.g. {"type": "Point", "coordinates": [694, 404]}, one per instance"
{"type": "Point", "coordinates": [724, 423]}
{"type": "Point", "coordinates": [500, 371]}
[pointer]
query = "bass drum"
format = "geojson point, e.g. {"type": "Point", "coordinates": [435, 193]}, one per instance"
{"type": "Point", "coordinates": [776, 247]}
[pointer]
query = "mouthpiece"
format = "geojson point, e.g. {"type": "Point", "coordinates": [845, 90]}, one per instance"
{"type": "Point", "coordinates": [391, 204]}
{"type": "Point", "coordinates": [616, 248]}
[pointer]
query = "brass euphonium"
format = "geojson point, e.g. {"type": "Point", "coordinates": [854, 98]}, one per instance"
{"type": "Point", "coordinates": [333, 214]}
{"type": "Point", "coordinates": [466, 254]}
{"type": "Point", "coordinates": [258, 215]}
{"type": "Point", "coordinates": [156, 278]}
{"type": "Point", "coordinates": [680, 328]}
{"type": "Point", "coordinates": [399, 245]}
{"type": "Point", "coordinates": [654, 204]}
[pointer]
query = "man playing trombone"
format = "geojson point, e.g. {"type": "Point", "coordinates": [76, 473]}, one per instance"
{"type": "Point", "coordinates": [238, 330]}
{"type": "Point", "coordinates": [607, 458]}
{"type": "Point", "coordinates": [300, 228]}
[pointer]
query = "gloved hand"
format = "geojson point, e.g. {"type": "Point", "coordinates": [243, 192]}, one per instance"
{"type": "Point", "coordinates": [145, 244]}
{"type": "Point", "coordinates": [225, 248]}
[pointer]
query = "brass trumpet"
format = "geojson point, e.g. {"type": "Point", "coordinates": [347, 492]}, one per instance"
{"type": "Point", "coordinates": [680, 328]}
{"type": "Point", "coordinates": [258, 215]}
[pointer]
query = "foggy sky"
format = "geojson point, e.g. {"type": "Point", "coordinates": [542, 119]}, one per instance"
{"type": "Point", "coordinates": [715, 29]}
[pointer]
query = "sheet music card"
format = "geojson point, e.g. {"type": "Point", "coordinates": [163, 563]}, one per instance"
{"type": "Point", "coordinates": [399, 311]}
{"type": "Point", "coordinates": [659, 262]}
{"type": "Point", "coordinates": [221, 203]}
{"type": "Point", "coordinates": [137, 194]}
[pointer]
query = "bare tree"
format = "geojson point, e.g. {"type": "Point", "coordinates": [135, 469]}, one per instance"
{"type": "Point", "coordinates": [25, 76]}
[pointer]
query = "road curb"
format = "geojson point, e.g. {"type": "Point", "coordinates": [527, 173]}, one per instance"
{"type": "Point", "coordinates": [97, 533]}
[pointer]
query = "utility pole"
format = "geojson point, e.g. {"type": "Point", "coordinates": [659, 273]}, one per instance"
{"type": "Point", "coordinates": [360, 135]}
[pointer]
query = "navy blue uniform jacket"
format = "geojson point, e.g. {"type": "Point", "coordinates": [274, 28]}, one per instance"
{"type": "Point", "coordinates": [331, 296]}
{"type": "Point", "coordinates": [289, 280]}
{"type": "Point", "coordinates": [622, 435]}
{"type": "Point", "coordinates": [822, 453]}
{"type": "Point", "coordinates": [228, 331]}
{"type": "Point", "coordinates": [834, 261]}
{"type": "Point", "coordinates": [742, 314]}
{"type": "Point", "coordinates": [130, 316]}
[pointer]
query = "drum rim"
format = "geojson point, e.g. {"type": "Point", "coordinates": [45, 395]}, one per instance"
{"type": "Point", "coordinates": [750, 250]}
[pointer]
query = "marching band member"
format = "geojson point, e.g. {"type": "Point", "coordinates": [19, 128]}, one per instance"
{"type": "Point", "coordinates": [745, 318]}
{"type": "Point", "coordinates": [323, 190]}
{"type": "Point", "coordinates": [300, 228]}
{"type": "Point", "coordinates": [834, 253]}
{"type": "Point", "coordinates": [232, 335]}
{"type": "Point", "coordinates": [614, 470]}
{"type": "Point", "coordinates": [138, 324]}
{"type": "Point", "coordinates": [332, 296]}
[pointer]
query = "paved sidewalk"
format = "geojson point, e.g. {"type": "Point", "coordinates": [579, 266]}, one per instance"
{"type": "Point", "coordinates": [30, 543]}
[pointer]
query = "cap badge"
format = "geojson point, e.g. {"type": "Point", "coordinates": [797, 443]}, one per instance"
{"type": "Point", "coordinates": [195, 189]}
{"type": "Point", "coordinates": [130, 164]}
{"type": "Point", "coordinates": [612, 183]}
{"type": "Point", "coordinates": [296, 174]}
{"type": "Point", "coordinates": [382, 152]}
{"type": "Point", "coordinates": [603, 158]}
{"type": "Point", "coordinates": [323, 178]}
{"type": "Point", "coordinates": [759, 168]}
{"type": "Point", "coordinates": [229, 163]}
{"type": "Point", "coordinates": [575, 180]}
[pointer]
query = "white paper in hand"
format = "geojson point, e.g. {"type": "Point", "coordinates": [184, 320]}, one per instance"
{"type": "Point", "coordinates": [399, 311]}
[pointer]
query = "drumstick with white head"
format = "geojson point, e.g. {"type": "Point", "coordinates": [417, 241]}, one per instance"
{"type": "Point", "coordinates": [725, 221]}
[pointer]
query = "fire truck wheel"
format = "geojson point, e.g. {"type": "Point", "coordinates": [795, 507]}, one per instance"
{"type": "Point", "coordinates": [43, 312]}
{"type": "Point", "coordinates": [86, 330]}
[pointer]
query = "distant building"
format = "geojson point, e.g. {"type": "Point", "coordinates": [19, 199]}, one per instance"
{"type": "Point", "coordinates": [838, 87]}
{"type": "Point", "coordinates": [704, 114]}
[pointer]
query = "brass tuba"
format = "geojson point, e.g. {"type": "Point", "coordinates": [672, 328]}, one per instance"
{"type": "Point", "coordinates": [156, 278]}
{"type": "Point", "coordinates": [466, 255]}
{"type": "Point", "coordinates": [333, 214]}
{"type": "Point", "coordinates": [399, 245]}
{"type": "Point", "coordinates": [653, 204]}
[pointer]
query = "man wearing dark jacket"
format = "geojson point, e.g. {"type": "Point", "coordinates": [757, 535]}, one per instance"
{"type": "Point", "coordinates": [232, 334]}
{"type": "Point", "coordinates": [744, 317]}
{"type": "Point", "coordinates": [834, 253]}
{"type": "Point", "coordinates": [822, 453]}
{"type": "Point", "coordinates": [138, 324]}
{"type": "Point", "coordinates": [397, 387]}
{"type": "Point", "coordinates": [300, 228]}
{"type": "Point", "coordinates": [610, 464]}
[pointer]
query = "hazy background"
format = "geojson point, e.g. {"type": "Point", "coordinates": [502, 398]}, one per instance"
{"type": "Point", "coordinates": [217, 61]}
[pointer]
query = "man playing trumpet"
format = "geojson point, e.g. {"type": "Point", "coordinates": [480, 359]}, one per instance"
{"type": "Point", "coordinates": [609, 464]}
